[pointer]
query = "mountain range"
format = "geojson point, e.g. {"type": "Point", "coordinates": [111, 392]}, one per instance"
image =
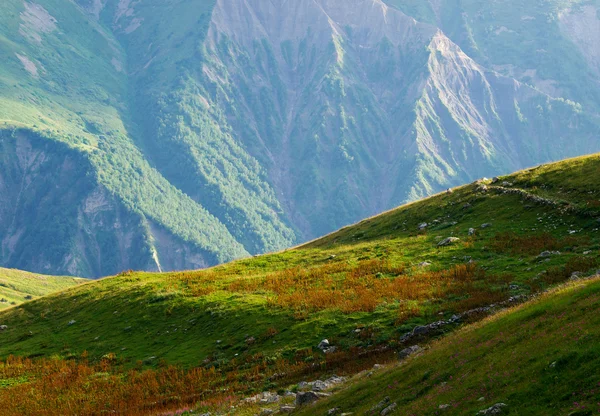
{"type": "Point", "coordinates": [178, 134]}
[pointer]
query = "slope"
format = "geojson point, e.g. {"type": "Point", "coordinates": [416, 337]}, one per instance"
{"type": "Point", "coordinates": [255, 324]}
{"type": "Point", "coordinates": [538, 359]}
{"type": "Point", "coordinates": [17, 286]}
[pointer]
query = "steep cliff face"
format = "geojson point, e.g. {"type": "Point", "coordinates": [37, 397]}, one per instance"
{"type": "Point", "coordinates": [216, 129]}
{"type": "Point", "coordinates": [55, 217]}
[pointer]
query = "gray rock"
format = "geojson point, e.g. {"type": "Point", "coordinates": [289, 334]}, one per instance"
{"type": "Point", "coordinates": [576, 275]}
{"type": "Point", "coordinates": [377, 367]}
{"type": "Point", "coordinates": [266, 412]}
{"type": "Point", "coordinates": [333, 411]}
{"type": "Point", "coordinates": [471, 231]}
{"type": "Point", "coordinates": [443, 406]}
{"type": "Point", "coordinates": [407, 352]}
{"type": "Point", "coordinates": [486, 225]}
{"type": "Point", "coordinates": [449, 191]}
{"type": "Point", "coordinates": [323, 345]}
{"type": "Point", "coordinates": [423, 226]}
{"type": "Point", "coordinates": [307, 397]}
{"type": "Point", "coordinates": [497, 409]}
{"type": "Point", "coordinates": [389, 410]}
{"type": "Point", "coordinates": [382, 404]}
{"type": "Point", "coordinates": [546, 254]}
{"type": "Point", "coordinates": [482, 188]}
{"type": "Point", "coordinates": [448, 241]}
{"type": "Point", "coordinates": [3, 327]}
{"type": "Point", "coordinates": [72, 322]}
{"type": "Point", "coordinates": [287, 409]}
{"type": "Point", "coordinates": [424, 264]}
{"type": "Point", "coordinates": [319, 385]}
{"type": "Point", "coordinates": [495, 179]}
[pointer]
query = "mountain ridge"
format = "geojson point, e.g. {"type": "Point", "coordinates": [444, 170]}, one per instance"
{"type": "Point", "coordinates": [230, 134]}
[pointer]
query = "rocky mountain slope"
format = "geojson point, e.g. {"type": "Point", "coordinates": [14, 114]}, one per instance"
{"type": "Point", "coordinates": [212, 129]}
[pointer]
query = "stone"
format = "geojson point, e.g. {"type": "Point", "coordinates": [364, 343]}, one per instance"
{"type": "Point", "coordinates": [323, 345]}
{"type": "Point", "coordinates": [448, 241]}
{"type": "Point", "coordinates": [389, 410]}
{"type": "Point", "coordinates": [424, 264]}
{"type": "Point", "coordinates": [307, 397]}
{"type": "Point", "coordinates": [423, 226]}
{"type": "Point", "coordinates": [495, 179]}
{"type": "Point", "coordinates": [3, 327]}
{"type": "Point", "coordinates": [482, 188]}
{"type": "Point", "coordinates": [72, 322]}
{"type": "Point", "coordinates": [333, 411]}
{"type": "Point", "coordinates": [407, 352]}
{"type": "Point", "coordinates": [471, 231]}
{"type": "Point", "coordinates": [319, 385]}
{"type": "Point", "coordinates": [377, 367]}
{"type": "Point", "coordinates": [486, 225]}
{"type": "Point", "coordinates": [497, 409]}
{"type": "Point", "coordinates": [576, 275]}
{"type": "Point", "coordinates": [449, 191]}
{"type": "Point", "coordinates": [382, 404]}
{"type": "Point", "coordinates": [287, 409]}
{"type": "Point", "coordinates": [443, 406]}
{"type": "Point", "coordinates": [266, 412]}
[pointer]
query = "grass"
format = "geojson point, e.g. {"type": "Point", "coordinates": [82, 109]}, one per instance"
{"type": "Point", "coordinates": [539, 359]}
{"type": "Point", "coordinates": [17, 286]}
{"type": "Point", "coordinates": [258, 321]}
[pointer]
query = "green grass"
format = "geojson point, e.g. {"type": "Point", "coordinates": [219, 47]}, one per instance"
{"type": "Point", "coordinates": [539, 359]}
{"type": "Point", "coordinates": [17, 286]}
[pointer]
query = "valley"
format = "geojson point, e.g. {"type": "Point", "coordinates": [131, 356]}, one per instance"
{"type": "Point", "coordinates": [215, 130]}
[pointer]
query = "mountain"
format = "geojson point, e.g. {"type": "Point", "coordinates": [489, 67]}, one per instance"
{"type": "Point", "coordinates": [200, 341]}
{"type": "Point", "coordinates": [179, 134]}
{"type": "Point", "coordinates": [17, 286]}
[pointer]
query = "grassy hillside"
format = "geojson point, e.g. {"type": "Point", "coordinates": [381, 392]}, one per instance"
{"type": "Point", "coordinates": [539, 359]}
{"type": "Point", "coordinates": [255, 324]}
{"type": "Point", "coordinates": [17, 286]}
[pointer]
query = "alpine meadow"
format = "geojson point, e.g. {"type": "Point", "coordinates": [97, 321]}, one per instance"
{"type": "Point", "coordinates": [306, 207]}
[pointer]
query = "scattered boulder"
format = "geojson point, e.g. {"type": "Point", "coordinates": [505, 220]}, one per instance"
{"type": "Point", "coordinates": [307, 397]}
{"type": "Point", "coordinates": [497, 409]}
{"type": "Point", "coordinates": [486, 225]}
{"type": "Point", "coordinates": [482, 188]}
{"type": "Point", "coordinates": [449, 191]}
{"type": "Point", "coordinates": [319, 385]}
{"type": "Point", "coordinates": [323, 345]}
{"type": "Point", "coordinates": [407, 352]}
{"type": "Point", "coordinates": [389, 410]}
{"type": "Point", "coordinates": [546, 254]}
{"type": "Point", "coordinates": [377, 367]}
{"type": "Point", "coordinates": [423, 226]}
{"type": "Point", "coordinates": [424, 264]}
{"type": "Point", "coordinates": [495, 179]}
{"type": "Point", "coordinates": [471, 231]}
{"type": "Point", "coordinates": [333, 411]}
{"type": "Point", "coordinates": [576, 275]}
{"type": "Point", "coordinates": [505, 183]}
{"type": "Point", "coordinates": [72, 322]}
{"type": "Point", "coordinates": [443, 406]}
{"type": "Point", "coordinates": [287, 409]}
{"type": "Point", "coordinates": [448, 241]}
{"type": "Point", "coordinates": [382, 404]}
